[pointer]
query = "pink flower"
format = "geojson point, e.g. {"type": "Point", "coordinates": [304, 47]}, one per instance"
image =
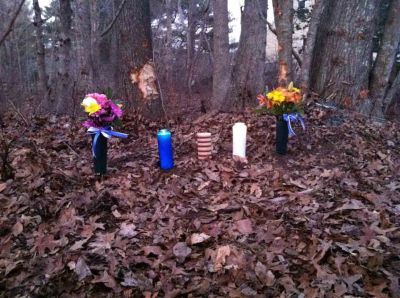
{"type": "Point", "coordinates": [116, 110]}
{"type": "Point", "coordinates": [100, 98]}
{"type": "Point", "coordinates": [89, 123]}
{"type": "Point", "coordinates": [107, 114]}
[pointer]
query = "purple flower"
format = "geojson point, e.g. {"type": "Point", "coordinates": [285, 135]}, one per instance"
{"type": "Point", "coordinates": [107, 119]}
{"type": "Point", "coordinates": [116, 110]}
{"type": "Point", "coordinates": [106, 115]}
{"type": "Point", "coordinates": [100, 98]}
{"type": "Point", "coordinates": [89, 123]}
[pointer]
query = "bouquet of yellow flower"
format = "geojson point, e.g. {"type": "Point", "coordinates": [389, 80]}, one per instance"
{"type": "Point", "coordinates": [281, 101]}
{"type": "Point", "coordinates": [285, 104]}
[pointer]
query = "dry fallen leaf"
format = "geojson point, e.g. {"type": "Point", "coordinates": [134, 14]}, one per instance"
{"type": "Point", "coordinates": [155, 250]}
{"type": "Point", "coordinates": [198, 238]}
{"type": "Point", "coordinates": [17, 228]}
{"type": "Point", "coordinates": [215, 208]}
{"type": "Point", "coordinates": [261, 271]}
{"type": "Point", "coordinates": [3, 186]}
{"type": "Point", "coordinates": [220, 257]}
{"type": "Point", "coordinates": [81, 269]}
{"type": "Point", "coordinates": [106, 279]}
{"type": "Point", "coordinates": [352, 205]}
{"type": "Point", "coordinates": [181, 251]}
{"type": "Point", "coordinates": [128, 230]}
{"type": "Point", "coordinates": [256, 190]}
{"type": "Point", "coordinates": [78, 244]}
{"type": "Point", "coordinates": [244, 226]}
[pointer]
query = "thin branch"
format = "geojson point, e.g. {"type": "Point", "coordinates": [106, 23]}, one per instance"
{"type": "Point", "coordinates": [10, 26]}
{"type": "Point", "coordinates": [108, 28]}
{"type": "Point", "coordinates": [159, 88]}
{"type": "Point", "coordinates": [18, 112]}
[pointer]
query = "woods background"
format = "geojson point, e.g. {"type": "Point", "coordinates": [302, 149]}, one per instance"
{"type": "Point", "coordinates": [175, 56]}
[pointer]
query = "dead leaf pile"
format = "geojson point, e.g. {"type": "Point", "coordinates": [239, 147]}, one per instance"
{"type": "Point", "coordinates": [322, 221]}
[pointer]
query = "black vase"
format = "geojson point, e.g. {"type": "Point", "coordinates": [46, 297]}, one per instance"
{"type": "Point", "coordinates": [100, 151]}
{"type": "Point", "coordinates": [282, 133]}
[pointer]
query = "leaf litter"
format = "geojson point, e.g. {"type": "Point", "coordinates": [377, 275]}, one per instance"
{"type": "Point", "coordinates": [320, 221]}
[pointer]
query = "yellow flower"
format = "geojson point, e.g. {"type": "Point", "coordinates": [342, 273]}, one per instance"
{"type": "Point", "coordinates": [294, 89]}
{"type": "Point", "coordinates": [90, 104]}
{"type": "Point", "coordinates": [276, 96]}
{"type": "Point", "coordinates": [291, 88]}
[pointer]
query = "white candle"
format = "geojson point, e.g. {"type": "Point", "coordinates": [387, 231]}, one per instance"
{"type": "Point", "coordinates": [239, 131]}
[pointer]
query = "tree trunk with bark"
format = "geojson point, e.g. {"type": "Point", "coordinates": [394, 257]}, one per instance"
{"type": "Point", "coordinates": [169, 55]}
{"type": "Point", "coordinates": [85, 36]}
{"type": "Point", "coordinates": [248, 75]}
{"type": "Point", "coordinates": [190, 42]}
{"type": "Point", "coordinates": [64, 96]}
{"type": "Point", "coordinates": [343, 52]}
{"type": "Point", "coordinates": [40, 51]}
{"type": "Point", "coordinates": [136, 77]}
{"type": "Point", "coordinates": [283, 13]}
{"type": "Point", "coordinates": [221, 66]}
{"type": "Point", "coordinates": [95, 41]}
{"type": "Point", "coordinates": [308, 53]}
{"type": "Point", "coordinates": [385, 62]}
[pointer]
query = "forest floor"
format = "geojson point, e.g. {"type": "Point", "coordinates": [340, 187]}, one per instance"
{"type": "Point", "coordinates": [322, 221]}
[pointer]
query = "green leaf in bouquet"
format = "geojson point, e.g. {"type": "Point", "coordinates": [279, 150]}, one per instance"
{"type": "Point", "coordinates": [109, 93]}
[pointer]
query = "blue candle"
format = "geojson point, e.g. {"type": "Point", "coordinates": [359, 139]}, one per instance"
{"type": "Point", "coordinates": [165, 149]}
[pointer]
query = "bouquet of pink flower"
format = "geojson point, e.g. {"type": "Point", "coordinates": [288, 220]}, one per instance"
{"type": "Point", "coordinates": [101, 110]}
{"type": "Point", "coordinates": [102, 113]}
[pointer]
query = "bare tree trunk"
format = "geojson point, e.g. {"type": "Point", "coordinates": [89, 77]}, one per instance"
{"type": "Point", "coordinates": [385, 61]}
{"type": "Point", "coordinates": [20, 71]}
{"type": "Point", "coordinates": [308, 53]}
{"type": "Point", "coordinates": [343, 52]}
{"type": "Point", "coordinates": [190, 40]}
{"type": "Point", "coordinates": [64, 80]}
{"type": "Point", "coordinates": [168, 63]}
{"type": "Point", "coordinates": [40, 55]}
{"type": "Point", "coordinates": [137, 81]}
{"type": "Point", "coordinates": [95, 42]}
{"type": "Point", "coordinates": [283, 13]}
{"type": "Point", "coordinates": [85, 30]}
{"type": "Point", "coordinates": [221, 71]}
{"type": "Point", "coordinates": [392, 92]}
{"type": "Point", "coordinates": [248, 75]}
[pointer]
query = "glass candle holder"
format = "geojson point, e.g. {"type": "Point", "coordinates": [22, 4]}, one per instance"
{"type": "Point", "coordinates": [164, 140]}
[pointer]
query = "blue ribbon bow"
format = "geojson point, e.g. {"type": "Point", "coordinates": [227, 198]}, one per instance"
{"type": "Point", "coordinates": [107, 133]}
{"type": "Point", "coordinates": [289, 118]}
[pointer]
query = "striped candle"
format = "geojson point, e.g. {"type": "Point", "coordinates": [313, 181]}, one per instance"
{"type": "Point", "coordinates": [204, 145]}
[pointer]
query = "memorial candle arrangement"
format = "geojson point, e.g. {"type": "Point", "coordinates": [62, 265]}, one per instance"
{"type": "Point", "coordinates": [102, 113]}
{"type": "Point", "coordinates": [164, 140]}
{"type": "Point", "coordinates": [239, 131]}
{"type": "Point", "coordinates": [204, 145]}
